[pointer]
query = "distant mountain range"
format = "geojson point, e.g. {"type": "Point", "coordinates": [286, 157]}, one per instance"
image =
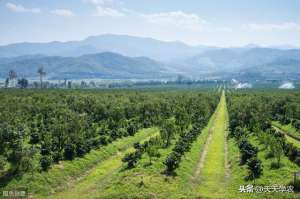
{"type": "Point", "coordinates": [102, 65]}
{"type": "Point", "coordinates": [246, 60]}
{"type": "Point", "coordinates": [122, 44]}
{"type": "Point", "coordinates": [121, 56]}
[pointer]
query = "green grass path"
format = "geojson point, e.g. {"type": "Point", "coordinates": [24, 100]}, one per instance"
{"type": "Point", "coordinates": [290, 135]}
{"type": "Point", "coordinates": [101, 172]}
{"type": "Point", "coordinates": [212, 179]}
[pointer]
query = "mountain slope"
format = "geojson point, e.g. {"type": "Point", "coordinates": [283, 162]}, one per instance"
{"type": "Point", "coordinates": [260, 62]}
{"type": "Point", "coordinates": [102, 65]}
{"type": "Point", "coordinates": [122, 44]}
{"type": "Point", "coordinates": [281, 69]}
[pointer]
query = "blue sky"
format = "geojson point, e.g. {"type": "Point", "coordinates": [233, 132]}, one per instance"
{"type": "Point", "coordinates": [210, 22]}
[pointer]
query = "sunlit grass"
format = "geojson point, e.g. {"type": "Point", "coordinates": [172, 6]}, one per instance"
{"type": "Point", "coordinates": [62, 175]}
{"type": "Point", "coordinates": [213, 172]}
{"type": "Point", "coordinates": [289, 129]}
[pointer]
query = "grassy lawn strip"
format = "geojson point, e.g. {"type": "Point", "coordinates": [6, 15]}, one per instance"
{"type": "Point", "coordinates": [289, 138]}
{"type": "Point", "coordinates": [212, 176]}
{"type": "Point", "coordinates": [142, 181]}
{"type": "Point", "coordinates": [189, 163]}
{"type": "Point", "coordinates": [98, 176]}
{"type": "Point", "coordinates": [237, 172]}
{"type": "Point", "coordinates": [61, 176]}
{"type": "Point", "coordinates": [287, 129]}
{"type": "Point", "coordinates": [155, 185]}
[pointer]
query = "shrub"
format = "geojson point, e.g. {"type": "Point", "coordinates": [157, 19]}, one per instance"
{"type": "Point", "coordinates": [254, 167]}
{"type": "Point", "coordinates": [81, 149]}
{"type": "Point", "coordinates": [45, 162]}
{"type": "Point", "coordinates": [2, 162]}
{"type": "Point", "coordinates": [266, 125]}
{"type": "Point", "coordinates": [297, 161]}
{"type": "Point", "coordinates": [132, 158]}
{"type": "Point", "coordinates": [247, 151]}
{"type": "Point", "coordinates": [69, 151]}
{"type": "Point", "coordinates": [296, 124]}
{"type": "Point", "coordinates": [293, 153]}
{"type": "Point", "coordinates": [57, 156]}
{"type": "Point", "coordinates": [172, 162]}
{"type": "Point", "coordinates": [238, 132]}
{"type": "Point", "coordinates": [103, 140]}
{"type": "Point", "coordinates": [152, 152]}
{"type": "Point", "coordinates": [34, 138]}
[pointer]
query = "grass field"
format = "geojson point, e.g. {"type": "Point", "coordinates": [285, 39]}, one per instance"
{"type": "Point", "coordinates": [289, 138]}
{"type": "Point", "coordinates": [97, 177]}
{"type": "Point", "coordinates": [287, 129]}
{"type": "Point", "coordinates": [68, 173]}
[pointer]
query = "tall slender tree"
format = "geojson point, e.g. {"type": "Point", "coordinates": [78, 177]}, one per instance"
{"type": "Point", "coordinates": [168, 130]}
{"type": "Point", "coordinates": [6, 82]}
{"type": "Point", "coordinates": [42, 73]}
{"type": "Point", "coordinates": [12, 75]}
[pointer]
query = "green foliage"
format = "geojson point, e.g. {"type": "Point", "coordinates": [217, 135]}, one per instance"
{"type": "Point", "coordinates": [251, 113]}
{"type": "Point", "coordinates": [2, 163]}
{"type": "Point", "coordinates": [183, 145]}
{"type": "Point", "coordinates": [296, 124]}
{"type": "Point", "coordinates": [152, 151]}
{"type": "Point", "coordinates": [23, 83]}
{"type": "Point", "coordinates": [69, 151]}
{"type": "Point", "coordinates": [149, 147]}
{"type": "Point", "coordinates": [40, 128]}
{"type": "Point", "coordinates": [132, 158]}
{"type": "Point", "coordinates": [45, 162]}
{"type": "Point", "coordinates": [254, 166]}
{"type": "Point", "coordinates": [168, 130]}
{"type": "Point", "coordinates": [247, 150]}
{"type": "Point", "coordinates": [276, 147]}
{"type": "Point", "coordinates": [172, 162]}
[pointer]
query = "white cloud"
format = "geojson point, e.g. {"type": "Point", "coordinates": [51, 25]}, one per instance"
{"type": "Point", "coordinates": [177, 18]}
{"type": "Point", "coordinates": [109, 12]}
{"type": "Point", "coordinates": [21, 8]}
{"type": "Point", "coordinates": [63, 12]}
{"type": "Point", "coordinates": [107, 8]}
{"type": "Point", "coordinates": [287, 26]}
{"type": "Point", "coordinates": [101, 2]}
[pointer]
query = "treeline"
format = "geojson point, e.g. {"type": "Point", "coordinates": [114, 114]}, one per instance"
{"type": "Point", "coordinates": [41, 128]}
{"type": "Point", "coordinates": [251, 114]}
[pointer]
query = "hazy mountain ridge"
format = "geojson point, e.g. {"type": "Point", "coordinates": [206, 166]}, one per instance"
{"type": "Point", "coordinates": [248, 60]}
{"type": "Point", "coordinates": [102, 65]}
{"type": "Point", "coordinates": [122, 44]}
{"type": "Point", "coordinates": [121, 56]}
